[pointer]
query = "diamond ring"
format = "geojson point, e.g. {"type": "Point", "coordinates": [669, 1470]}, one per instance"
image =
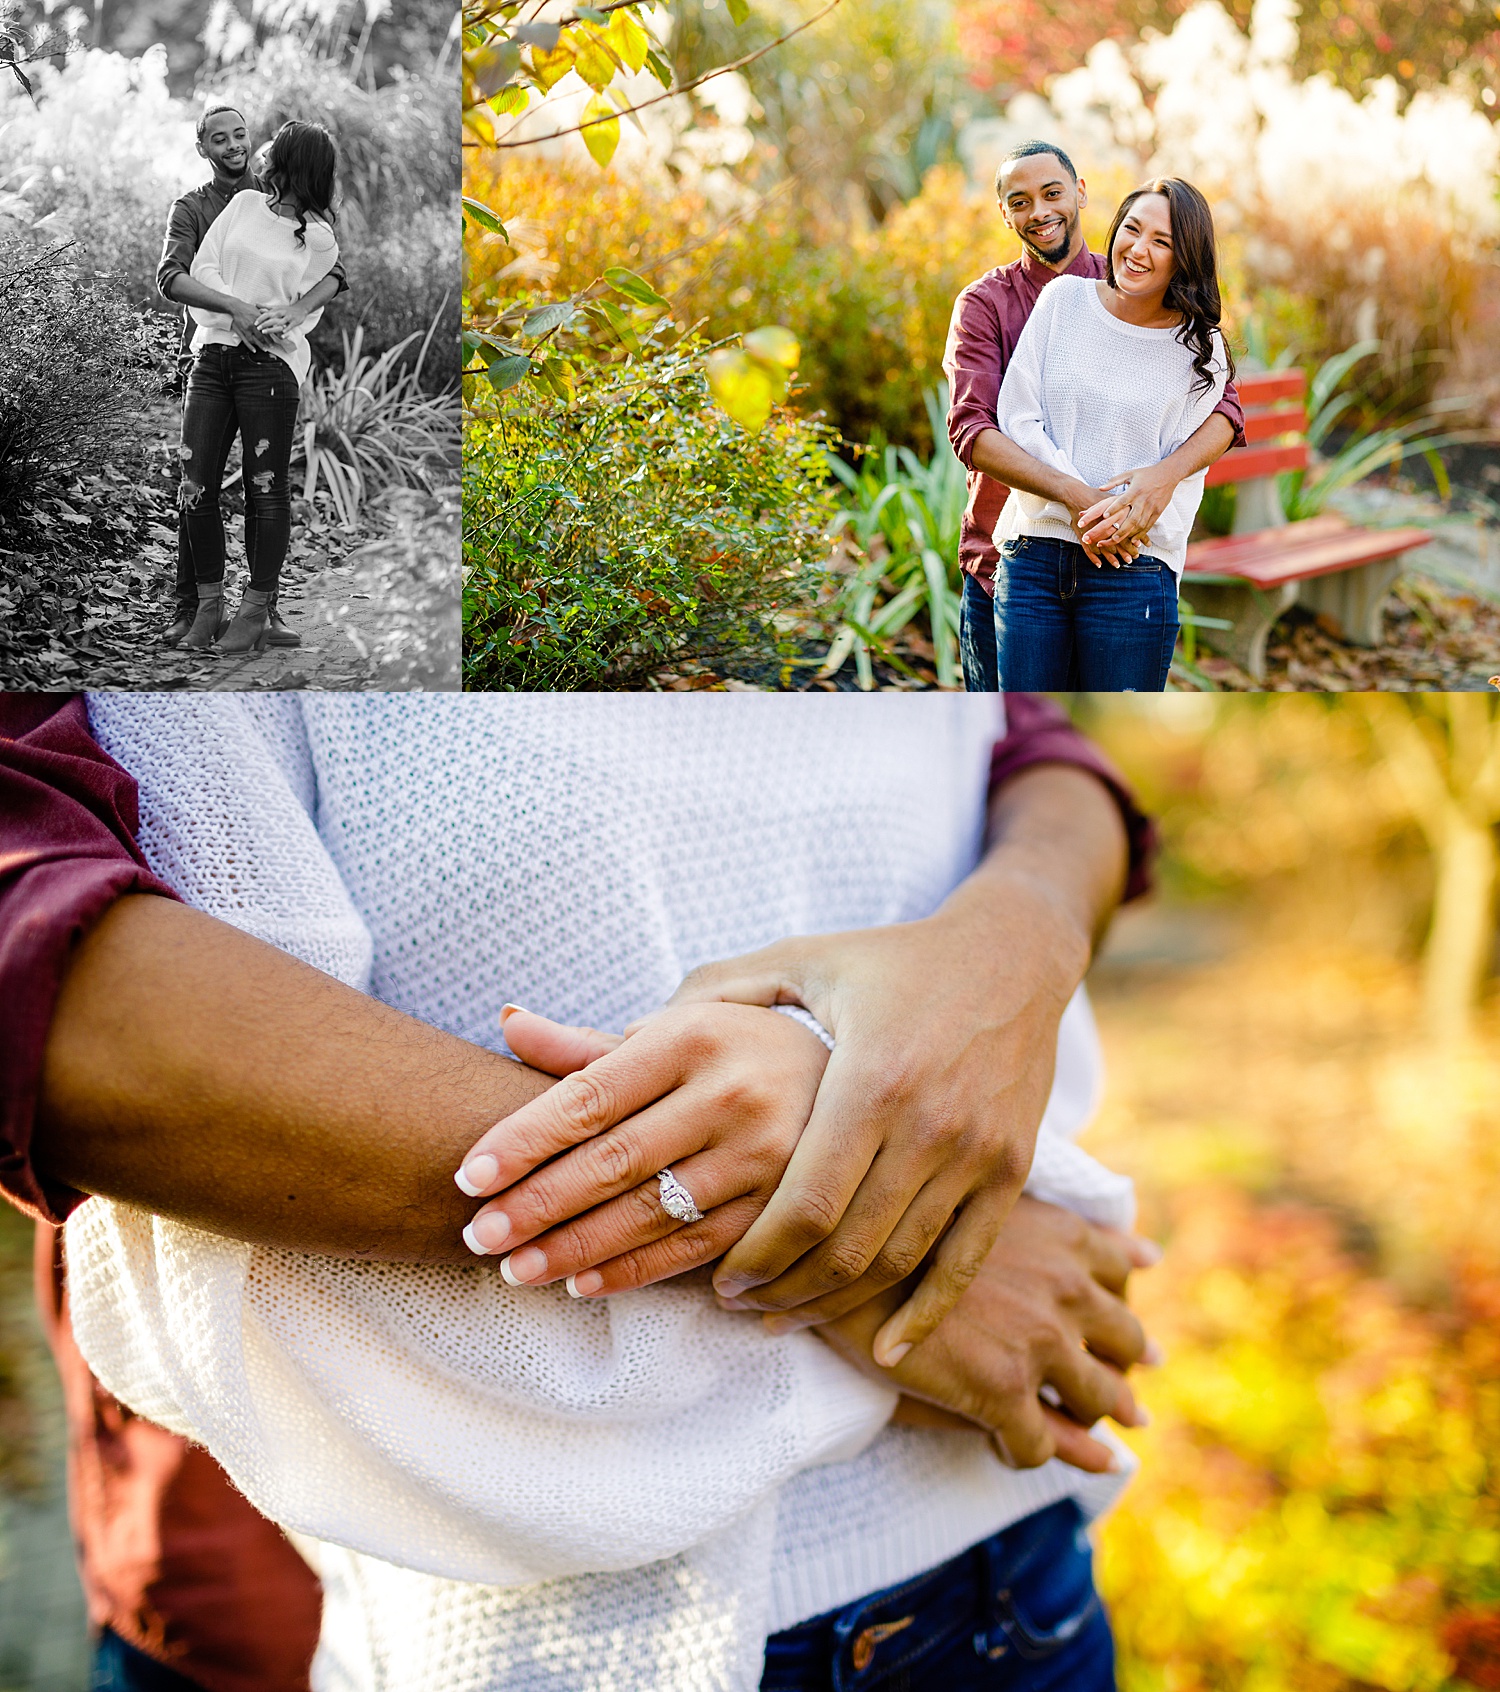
{"type": "Point", "coordinates": [676, 1200]}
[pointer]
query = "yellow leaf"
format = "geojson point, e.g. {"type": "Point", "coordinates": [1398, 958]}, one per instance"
{"type": "Point", "coordinates": [592, 59]}
{"type": "Point", "coordinates": [549, 68]}
{"type": "Point", "coordinates": [477, 119]}
{"type": "Point", "coordinates": [774, 345]}
{"type": "Point", "coordinates": [743, 386]}
{"type": "Point", "coordinates": [601, 138]}
{"type": "Point", "coordinates": [629, 38]}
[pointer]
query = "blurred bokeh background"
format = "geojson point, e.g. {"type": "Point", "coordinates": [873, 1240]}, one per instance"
{"type": "Point", "coordinates": [1303, 1039]}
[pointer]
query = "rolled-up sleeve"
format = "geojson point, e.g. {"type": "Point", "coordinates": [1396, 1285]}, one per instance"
{"type": "Point", "coordinates": [1038, 731]}
{"type": "Point", "coordinates": [179, 246]}
{"type": "Point", "coordinates": [971, 362]}
{"type": "Point", "coordinates": [1229, 406]}
{"type": "Point", "coordinates": [68, 822]}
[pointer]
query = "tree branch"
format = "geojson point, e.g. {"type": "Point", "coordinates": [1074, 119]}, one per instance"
{"type": "Point", "coordinates": [669, 94]}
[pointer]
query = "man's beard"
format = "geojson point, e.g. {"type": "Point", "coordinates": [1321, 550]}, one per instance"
{"type": "Point", "coordinates": [232, 175]}
{"type": "Point", "coordinates": [1070, 231]}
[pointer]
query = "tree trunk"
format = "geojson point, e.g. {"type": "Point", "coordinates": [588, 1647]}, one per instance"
{"type": "Point", "coordinates": [1461, 937]}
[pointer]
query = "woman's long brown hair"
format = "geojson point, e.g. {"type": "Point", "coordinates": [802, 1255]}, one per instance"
{"type": "Point", "coordinates": [1194, 288]}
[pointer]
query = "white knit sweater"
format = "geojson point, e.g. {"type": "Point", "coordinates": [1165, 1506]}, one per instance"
{"type": "Point", "coordinates": [253, 254]}
{"type": "Point", "coordinates": [502, 1487]}
{"type": "Point", "coordinates": [1094, 397]}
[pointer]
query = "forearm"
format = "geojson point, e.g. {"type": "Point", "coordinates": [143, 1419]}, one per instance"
{"type": "Point", "coordinates": [999, 456]}
{"type": "Point", "coordinates": [320, 293]}
{"type": "Point", "coordinates": [1057, 844]}
{"type": "Point", "coordinates": [1206, 445]}
{"type": "Point", "coordinates": [209, 1077]}
{"type": "Point", "coordinates": [188, 290]}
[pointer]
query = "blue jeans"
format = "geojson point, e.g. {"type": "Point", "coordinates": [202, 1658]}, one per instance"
{"type": "Point", "coordinates": [1062, 622]}
{"type": "Point", "coordinates": [1017, 1613]}
{"type": "Point", "coordinates": [119, 1667]}
{"type": "Point", "coordinates": [976, 638]}
{"type": "Point", "coordinates": [236, 389]}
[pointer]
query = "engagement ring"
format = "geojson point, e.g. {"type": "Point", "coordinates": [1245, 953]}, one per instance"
{"type": "Point", "coordinates": [676, 1200]}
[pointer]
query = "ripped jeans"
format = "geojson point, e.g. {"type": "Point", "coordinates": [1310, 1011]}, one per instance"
{"type": "Point", "coordinates": [255, 393]}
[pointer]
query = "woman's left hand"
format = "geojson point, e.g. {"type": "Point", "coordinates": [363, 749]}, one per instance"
{"type": "Point", "coordinates": [278, 321]}
{"type": "Point", "coordinates": [717, 1093]}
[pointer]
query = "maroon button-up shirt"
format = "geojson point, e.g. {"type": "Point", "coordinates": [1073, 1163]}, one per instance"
{"type": "Point", "coordinates": [173, 1558]}
{"type": "Point", "coordinates": [988, 317]}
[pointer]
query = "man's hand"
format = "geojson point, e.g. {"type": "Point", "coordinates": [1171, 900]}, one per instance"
{"type": "Point", "coordinates": [279, 320]}
{"type": "Point", "coordinates": [1046, 1311]}
{"type": "Point", "coordinates": [997, 455]}
{"type": "Point", "coordinates": [245, 320]}
{"type": "Point", "coordinates": [946, 1038]}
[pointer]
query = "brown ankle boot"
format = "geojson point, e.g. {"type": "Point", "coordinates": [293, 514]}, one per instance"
{"type": "Point", "coordinates": [210, 618]}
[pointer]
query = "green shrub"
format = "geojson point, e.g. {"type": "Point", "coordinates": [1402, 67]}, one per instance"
{"type": "Point", "coordinates": [74, 359]}
{"type": "Point", "coordinates": [634, 528]}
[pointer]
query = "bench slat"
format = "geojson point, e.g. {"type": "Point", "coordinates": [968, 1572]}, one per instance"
{"type": "Point", "coordinates": [1246, 464]}
{"type": "Point", "coordinates": [1264, 387]}
{"type": "Point", "coordinates": [1267, 425]}
{"type": "Point", "coordinates": [1283, 555]}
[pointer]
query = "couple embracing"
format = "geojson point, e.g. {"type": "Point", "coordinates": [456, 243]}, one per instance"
{"type": "Point", "coordinates": [253, 257]}
{"type": "Point", "coordinates": [1089, 396]}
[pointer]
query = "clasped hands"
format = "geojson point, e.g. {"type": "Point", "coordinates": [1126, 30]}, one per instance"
{"type": "Point", "coordinates": [263, 327]}
{"type": "Point", "coordinates": [870, 1192]}
{"type": "Point", "coordinates": [1113, 526]}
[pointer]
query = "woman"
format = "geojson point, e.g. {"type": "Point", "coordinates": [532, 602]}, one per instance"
{"type": "Point", "coordinates": [1108, 375]}
{"type": "Point", "coordinates": [268, 248]}
{"type": "Point", "coordinates": [505, 1486]}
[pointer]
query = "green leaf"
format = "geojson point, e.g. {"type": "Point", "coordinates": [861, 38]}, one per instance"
{"type": "Point", "coordinates": [506, 372]}
{"type": "Point", "coordinates": [511, 101]}
{"type": "Point", "coordinates": [593, 59]}
{"type": "Point", "coordinates": [635, 288]}
{"type": "Point", "coordinates": [659, 67]}
{"type": "Point", "coordinates": [739, 10]}
{"type": "Point", "coordinates": [547, 317]}
{"type": "Point", "coordinates": [555, 375]}
{"type": "Point", "coordinates": [475, 211]}
{"type": "Point", "coordinates": [601, 134]}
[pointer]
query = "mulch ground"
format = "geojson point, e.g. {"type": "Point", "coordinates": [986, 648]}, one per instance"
{"type": "Point", "coordinates": [86, 584]}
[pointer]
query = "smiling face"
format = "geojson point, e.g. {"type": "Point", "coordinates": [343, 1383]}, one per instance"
{"type": "Point", "coordinates": [226, 144]}
{"type": "Point", "coordinates": [1041, 202]}
{"type": "Point", "coordinates": [1142, 257]}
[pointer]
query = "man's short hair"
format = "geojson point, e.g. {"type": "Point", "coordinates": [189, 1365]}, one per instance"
{"type": "Point", "coordinates": [1029, 149]}
{"type": "Point", "coordinates": [213, 111]}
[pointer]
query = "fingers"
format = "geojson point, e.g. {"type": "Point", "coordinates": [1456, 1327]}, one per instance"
{"type": "Point", "coordinates": [957, 1260]}
{"type": "Point", "coordinates": [622, 1158]}
{"type": "Point", "coordinates": [552, 1046]}
{"type": "Point", "coordinates": [758, 978]}
{"type": "Point", "coordinates": [1071, 1444]}
{"type": "Point", "coordinates": [831, 1159]}
{"type": "Point", "coordinates": [1089, 1390]}
{"type": "Point", "coordinates": [631, 1240]}
{"type": "Point", "coordinates": [579, 1107]}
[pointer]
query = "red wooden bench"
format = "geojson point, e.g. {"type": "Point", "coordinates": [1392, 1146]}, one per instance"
{"type": "Point", "coordinates": [1337, 569]}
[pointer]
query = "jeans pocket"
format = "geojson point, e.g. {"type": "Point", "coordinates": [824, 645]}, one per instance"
{"type": "Point", "coordinates": [1049, 1598]}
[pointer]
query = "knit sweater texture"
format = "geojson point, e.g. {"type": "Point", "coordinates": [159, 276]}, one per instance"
{"type": "Point", "coordinates": [252, 253]}
{"type": "Point", "coordinates": [504, 1488]}
{"type": "Point", "coordinates": [1094, 397]}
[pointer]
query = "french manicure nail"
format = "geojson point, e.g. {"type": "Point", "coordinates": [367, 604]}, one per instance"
{"type": "Point", "coordinates": [473, 1244]}
{"type": "Point", "coordinates": [508, 1011]}
{"type": "Point", "coordinates": [584, 1284]}
{"type": "Point", "coordinates": [1148, 1251]}
{"type": "Point", "coordinates": [524, 1267]}
{"type": "Point", "coordinates": [477, 1174]}
{"type": "Point", "coordinates": [779, 1325]}
{"type": "Point", "coordinates": [1153, 1356]}
{"type": "Point", "coordinates": [1142, 1417]}
{"type": "Point", "coordinates": [488, 1231]}
{"type": "Point", "coordinates": [893, 1354]}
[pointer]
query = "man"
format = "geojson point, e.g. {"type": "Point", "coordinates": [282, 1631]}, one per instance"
{"type": "Point", "coordinates": [224, 141]}
{"type": "Point", "coordinates": [1041, 197]}
{"type": "Point", "coordinates": [178, 1568]}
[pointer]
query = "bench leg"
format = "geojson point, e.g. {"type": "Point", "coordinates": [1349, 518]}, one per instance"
{"type": "Point", "coordinates": [1352, 600]}
{"type": "Point", "coordinates": [1250, 611]}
